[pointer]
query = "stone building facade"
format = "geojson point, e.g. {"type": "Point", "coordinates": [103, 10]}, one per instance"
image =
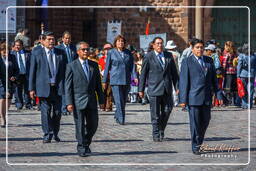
{"type": "Point", "coordinates": [90, 24]}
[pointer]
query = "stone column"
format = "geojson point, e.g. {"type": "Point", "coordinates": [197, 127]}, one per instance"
{"type": "Point", "coordinates": [198, 20]}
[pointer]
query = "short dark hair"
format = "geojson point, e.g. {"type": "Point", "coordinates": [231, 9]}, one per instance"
{"type": "Point", "coordinates": [154, 40]}
{"type": "Point", "coordinates": [18, 41]}
{"type": "Point", "coordinates": [47, 33]}
{"type": "Point", "coordinates": [41, 37]}
{"type": "Point", "coordinates": [66, 32]}
{"type": "Point", "coordinates": [195, 41]}
{"type": "Point", "coordinates": [118, 38]}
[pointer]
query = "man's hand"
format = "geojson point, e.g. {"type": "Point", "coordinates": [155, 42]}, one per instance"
{"type": "Point", "coordinates": [177, 91]}
{"type": "Point", "coordinates": [141, 94]}
{"type": "Point", "coordinates": [32, 94]}
{"type": "Point", "coordinates": [104, 85]}
{"type": "Point", "coordinates": [70, 108]}
{"type": "Point", "coordinates": [136, 81]}
{"type": "Point", "coordinates": [183, 105]}
{"type": "Point", "coordinates": [102, 106]}
{"type": "Point", "coordinates": [12, 78]}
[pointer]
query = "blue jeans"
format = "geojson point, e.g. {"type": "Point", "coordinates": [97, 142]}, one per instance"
{"type": "Point", "coordinates": [247, 86]}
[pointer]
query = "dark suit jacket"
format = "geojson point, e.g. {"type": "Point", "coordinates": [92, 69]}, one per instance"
{"type": "Point", "coordinates": [13, 71]}
{"type": "Point", "coordinates": [72, 49]}
{"type": "Point", "coordinates": [27, 59]}
{"type": "Point", "coordinates": [197, 84]}
{"type": "Point", "coordinates": [39, 77]}
{"type": "Point", "coordinates": [78, 90]}
{"type": "Point", "coordinates": [159, 80]}
{"type": "Point", "coordinates": [118, 68]}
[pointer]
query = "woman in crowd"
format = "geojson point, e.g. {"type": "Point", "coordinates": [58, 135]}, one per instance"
{"type": "Point", "coordinates": [140, 58]}
{"type": "Point", "coordinates": [245, 75]}
{"type": "Point", "coordinates": [6, 92]}
{"type": "Point", "coordinates": [119, 67]}
{"type": "Point", "coordinates": [228, 65]}
{"type": "Point", "coordinates": [210, 51]}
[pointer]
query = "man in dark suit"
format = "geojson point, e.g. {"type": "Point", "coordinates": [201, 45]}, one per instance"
{"type": "Point", "coordinates": [82, 81]}
{"type": "Point", "coordinates": [22, 58]}
{"type": "Point", "coordinates": [197, 80]}
{"type": "Point", "coordinates": [160, 71]}
{"type": "Point", "coordinates": [70, 51]}
{"type": "Point", "coordinates": [46, 80]}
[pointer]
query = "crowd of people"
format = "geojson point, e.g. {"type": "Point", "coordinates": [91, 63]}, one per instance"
{"type": "Point", "coordinates": [61, 78]}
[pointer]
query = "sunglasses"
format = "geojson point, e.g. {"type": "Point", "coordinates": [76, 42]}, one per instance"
{"type": "Point", "coordinates": [85, 49]}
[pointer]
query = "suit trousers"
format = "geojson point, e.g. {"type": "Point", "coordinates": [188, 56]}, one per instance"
{"type": "Point", "coordinates": [21, 92]}
{"type": "Point", "coordinates": [120, 93]}
{"type": "Point", "coordinates": [86, 121]}
{"type": "Point", "coordinates": [51, 120]}
{"type": "Point", "coordinates": [160, 109]}
{"type": "Point", "coordinates": [199, 117]}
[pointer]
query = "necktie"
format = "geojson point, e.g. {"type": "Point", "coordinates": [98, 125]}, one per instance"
{"type": "Point", "coordinates": [86, 70]}
{"type": "Point", "coordinates": [68, 54]}
{"type": "Point", "coordinates": [51, 64]}
{"type": "Point", "coordinates": [201, 62]}
{"type": "Point", "coordinates": [22, 66]}
{"type": "Point", "coordinates": [160, 60]}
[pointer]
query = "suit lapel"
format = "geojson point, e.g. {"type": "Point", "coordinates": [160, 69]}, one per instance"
{"type": "Point", "coordinates": [45, 60]}
{"type": "Point", "coordinates": [156, 59]}
{"type": "Point", "coordinates": [91, 69]}
{"type": "Point", "coordinates": [80, 69]}
{"type": "Point", "coordinates": [167, 61]}
{"type": "Point", "coordinates": [119, 55]}
{"type": "Point", "coordinates": [195, 61]}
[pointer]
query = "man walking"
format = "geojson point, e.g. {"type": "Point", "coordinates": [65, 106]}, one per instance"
{"type": "Point", "coordinates": [197, 80]}
{"type": "Point", "coordinates": [46, 80]}
{"type": "Point", "coordinates": [70, 51]}
{"type": "Point", "coordinates": [82, 81]}
{"type": "Point", "coordinates": [22, 57]}
{"type": "Point", "coordinates": [160, 71]}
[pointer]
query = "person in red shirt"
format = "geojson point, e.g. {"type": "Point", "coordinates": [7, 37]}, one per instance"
{"type": "Point", "coordinates": [107, 91]}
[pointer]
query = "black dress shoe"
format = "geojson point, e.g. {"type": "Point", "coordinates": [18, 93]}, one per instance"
{"type": "Point", "coordinates": [156, 139]}
{"type": "Point", "coordinates": [57, 139]}
{"type": "Point", "coordinates": [84, 154]}
{"type": "Point", "coordinates": [88, 150]}
{"type": "Point", "coordinates": [161, 135]}
{"type": "Point", "coordinates": [197, 152]}
{"type": "Point", "coordinates": [46, 141]}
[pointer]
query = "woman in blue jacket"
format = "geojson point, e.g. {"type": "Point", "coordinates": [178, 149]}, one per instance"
{"type": "Point", "coordinates": [119, 67]}
{"type": "Point", "coordinates": [245, 75]}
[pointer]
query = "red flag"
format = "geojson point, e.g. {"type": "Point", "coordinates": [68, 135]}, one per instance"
{"type": "Point", "coordinates": [147, 27]}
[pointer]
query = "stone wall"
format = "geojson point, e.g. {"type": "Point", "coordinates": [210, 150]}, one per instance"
{"type": "Point", "coordinates": [173, 21]}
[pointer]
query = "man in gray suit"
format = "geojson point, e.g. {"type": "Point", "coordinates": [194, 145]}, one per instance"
{"type": "Point", "coordinates": [82, 81]}
{"type": "Point", "coordinates": [160, 71]}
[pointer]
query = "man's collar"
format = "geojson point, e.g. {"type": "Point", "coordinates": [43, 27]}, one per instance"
{"type": "Point", "coordinates": [47, 49]}
{"type": "Point", "coordinates": [197, 57]}
{"type": "Point", "coordinates": [82, 60]}
{"type": "Point", "coordinates": [156, 53]}
{"type": "Point", "coordinates": [65, 45]}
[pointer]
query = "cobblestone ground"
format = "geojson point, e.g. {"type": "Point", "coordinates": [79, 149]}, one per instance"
{"type": "Point", "coordinates": [129, 144]}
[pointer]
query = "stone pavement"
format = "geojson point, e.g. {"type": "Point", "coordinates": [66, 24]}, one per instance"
{"type": "Point", "coordinates": [131, 144]}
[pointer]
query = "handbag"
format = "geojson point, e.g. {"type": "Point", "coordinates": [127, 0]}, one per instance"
{"type": "Point", "coordinates": [240, 88]}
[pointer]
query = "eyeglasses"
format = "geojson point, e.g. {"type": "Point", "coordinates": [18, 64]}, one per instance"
{"type": "Point", "coordinates": [85, 49]}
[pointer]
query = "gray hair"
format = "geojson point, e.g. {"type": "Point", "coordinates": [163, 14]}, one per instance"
{"type": "Point", "coordinates": [78, 45]}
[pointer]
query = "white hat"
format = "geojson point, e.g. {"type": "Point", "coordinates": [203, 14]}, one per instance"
{"type": "Point", "coordinates": [211, 47]}
{"type": "Point", "coordinates": [170, 45]}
